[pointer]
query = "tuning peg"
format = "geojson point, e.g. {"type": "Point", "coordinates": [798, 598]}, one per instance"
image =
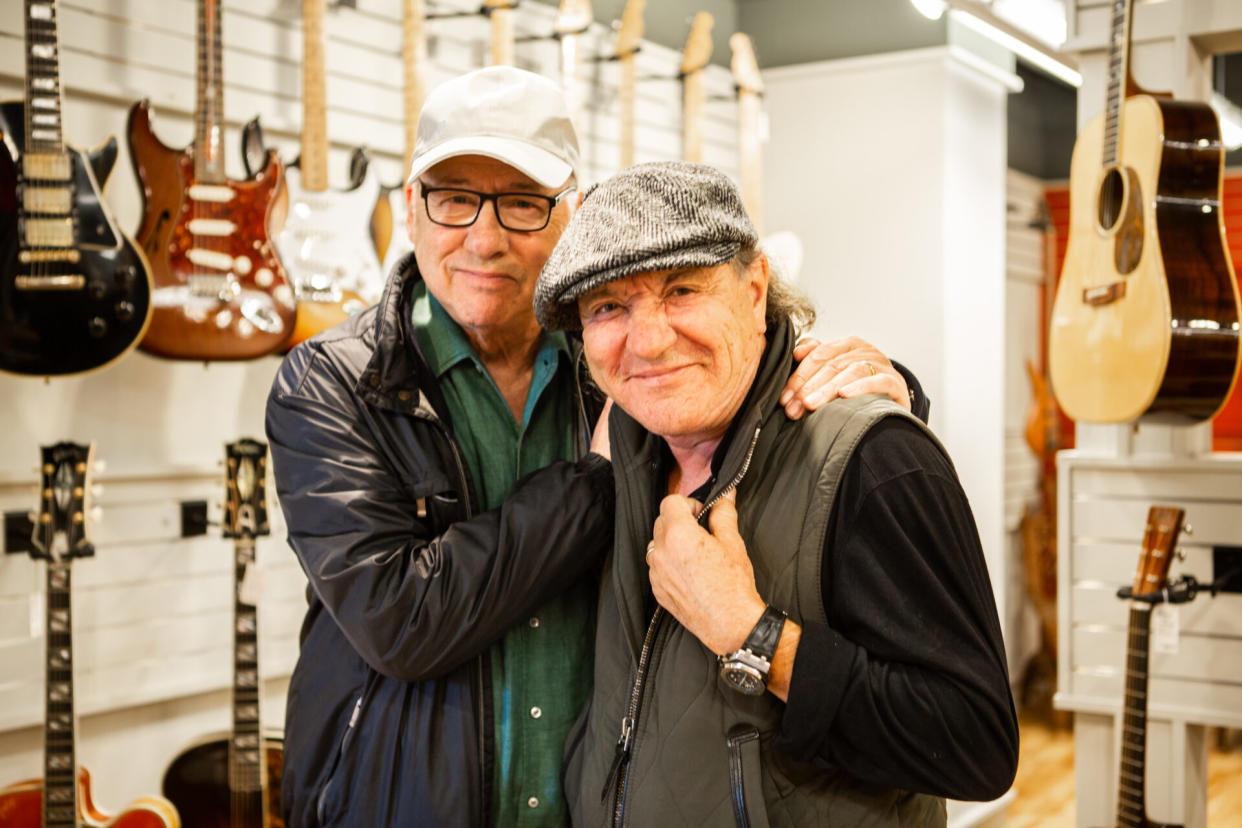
{"type": "Point", "coordinates": [97, 490]}
{"type": "Point", "coordinates": [1179, 554]}
{"type": "Point", "coordinates": [96, 514]}
{"type": "Point", "coordinates": [99, 466]}
{"type": "Point", "coordinates": [1187, 529]}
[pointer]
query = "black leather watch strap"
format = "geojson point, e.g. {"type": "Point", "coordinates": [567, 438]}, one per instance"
{"type": "Point", "coordinates": [764, 637]}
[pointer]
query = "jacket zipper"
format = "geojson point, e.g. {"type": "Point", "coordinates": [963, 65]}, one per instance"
{"type": "Point", "coordinates": [618, 774]}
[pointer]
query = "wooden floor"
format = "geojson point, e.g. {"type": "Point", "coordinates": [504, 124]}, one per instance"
{"type": "Point", "coordinates": [1045, 783]}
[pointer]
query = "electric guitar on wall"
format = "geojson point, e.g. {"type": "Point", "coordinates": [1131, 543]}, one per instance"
{"type": "Point", "coordinates": [749, 87]}
{"type": "Point", "coordinates": [62, 798]}
{"type": "Point", "coordinates": [220, 287]}
{"type": "Point", "coordinates": [573, 19]}
{"type": "Point", "coordinates": [629, 41]}
{"type": "Point", "coordinates": [500, 14]}
{"type": "Point", "coordinates": [75, 294]}
{"type": "Point", "coordinates": [389, 224]}
{"type": "Point", "coordinates": [1164, 524]}
{"type": "Point", "coordinates": [234, 781]}
{"type": "Point", "coordinates": [326, 243]}
{"type": "Point", "coordinates": [1145, 323]}
{"type": "Point", "coordinates": [694, 58]}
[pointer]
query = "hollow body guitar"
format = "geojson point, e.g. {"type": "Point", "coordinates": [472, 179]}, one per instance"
{"type": "Point", "coordinates": [233, 780]}
{"type": "Point", "coordinates": [1145, 323]}
{"type": "Point", "coordinates": [74, 291]}
{"type": "Point", "coordinates": [220, 288]}
{"type": "Point", "coordinates": [62, 798]}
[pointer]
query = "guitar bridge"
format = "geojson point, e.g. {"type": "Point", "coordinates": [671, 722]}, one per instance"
{"type": "Point", "coordinates": [1103, 294]}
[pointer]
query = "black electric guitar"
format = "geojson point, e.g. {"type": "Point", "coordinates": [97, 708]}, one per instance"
{"type": "Point", "coordinates": [75, 293]}
{"type": "Point", "coordinates": [1164, 524]}
{"type": "Point", "coordinates": [234, 781]}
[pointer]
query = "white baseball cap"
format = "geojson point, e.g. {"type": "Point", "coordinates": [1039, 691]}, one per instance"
{"type": "Point", "coordinates": [501, 112]}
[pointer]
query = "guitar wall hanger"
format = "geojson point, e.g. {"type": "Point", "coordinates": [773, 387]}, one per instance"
{"type": "Point", "coordinates": [481, 11]}
{"type": "Point", "coordinates": [614, 56]}
{"type": "Point", "coordinates": [1181, 591]}
{"type": "Point", "coordinates": [554, 35]}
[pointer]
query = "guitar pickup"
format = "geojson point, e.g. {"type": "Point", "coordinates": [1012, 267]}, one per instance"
{"type": "Point", "coordinates": [46, 166]}
{"type": "Point", "coordinates": [68, 254]}
{"type": "Point", "coordinates": [53, 200]}
{"type": "Point", "coordinates": [49, 232]}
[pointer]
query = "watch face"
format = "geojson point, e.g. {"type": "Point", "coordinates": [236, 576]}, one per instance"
{"type": "Point", "coordinates": [743, 678]}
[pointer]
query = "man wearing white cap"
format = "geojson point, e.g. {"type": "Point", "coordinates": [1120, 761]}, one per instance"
{"type": "Point", "coordinates": [432, 458]}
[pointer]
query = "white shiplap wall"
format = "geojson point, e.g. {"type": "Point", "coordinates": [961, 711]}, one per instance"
{"type": "Point", "coordinates": [152, 610]}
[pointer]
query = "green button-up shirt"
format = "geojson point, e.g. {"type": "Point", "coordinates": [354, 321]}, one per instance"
{"type": "Point", "coordinates": [541, 669]}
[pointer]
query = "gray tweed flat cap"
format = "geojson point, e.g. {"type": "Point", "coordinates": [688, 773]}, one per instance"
{"type": "Point", "coordinates": [658, 216]}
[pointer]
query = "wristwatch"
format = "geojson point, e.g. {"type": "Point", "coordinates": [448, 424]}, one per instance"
{"type": "Point", "coordinates": [746, 670]}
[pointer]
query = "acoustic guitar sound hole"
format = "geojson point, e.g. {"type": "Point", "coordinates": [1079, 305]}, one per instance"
{"type": "Point", "coordinates": [1111, 199]}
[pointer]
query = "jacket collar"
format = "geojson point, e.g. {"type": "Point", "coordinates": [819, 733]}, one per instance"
{"type": "Point", "coordinates": [396, 373]}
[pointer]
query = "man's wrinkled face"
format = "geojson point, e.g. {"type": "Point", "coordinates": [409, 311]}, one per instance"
{"type": "Point", "coordinates": [678, 349]}
{"type": "Point", "coordinates": [483, 275]}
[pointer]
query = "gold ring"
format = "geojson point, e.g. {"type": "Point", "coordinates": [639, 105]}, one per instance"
{"type": "Point", "coordinates": [650, 549]}
{"type": "Point", "coordinates": [870, 367]}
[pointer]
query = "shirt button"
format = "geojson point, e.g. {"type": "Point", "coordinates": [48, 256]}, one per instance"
{"type": "Point", "coordinates": [534, 622]}
{"type": "Point", "coordinates": [533, 802]}
{"type": "Point", "coordinates": [535, 712]}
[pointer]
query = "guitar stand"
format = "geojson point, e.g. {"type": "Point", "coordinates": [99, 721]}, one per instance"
{"type": "Point", "coordinates": [1181, 591]}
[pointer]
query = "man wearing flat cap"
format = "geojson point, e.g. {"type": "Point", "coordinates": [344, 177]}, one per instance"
{"type": "Point", "coordinates": [432, 459]}
{"type": "Point", "coordinates": [796, 625]}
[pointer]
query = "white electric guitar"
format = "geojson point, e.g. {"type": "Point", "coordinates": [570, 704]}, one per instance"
{"type": "Point", "coordinates": [326, 241]}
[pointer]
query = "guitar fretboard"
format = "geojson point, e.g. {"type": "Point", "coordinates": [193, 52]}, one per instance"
{"type": "Point", "coordinates": [43, 124]}
{"type": "Point", "coordinates": [1118, 72]}
{"type": "Point", "coordinates": [245, 749]}
{"type": "Point", "coordinates": [1130, 793]}
{"type": "Point", "coordinates": [60, 763]}
{"type": "Point", "coordinates": [209, 120]}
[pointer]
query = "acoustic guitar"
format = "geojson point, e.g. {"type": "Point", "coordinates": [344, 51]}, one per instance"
{"type": "Point", "coordinates": [1164, 524]}
{"type": "Point", "coordinates": [62, 798]}
{"type": "Point", "coordinates": [220, 287]}
{"type": "Point", "coordinates": [629, 41]}
{"type": "Point", "coordinates": [1145, 323]}
{"type": "Point", "coordinates": [694, 58]}
{"type": "Point", "coordinates": [325, 243]}
{"type": "Point", "coordinates": [75, 293]}
{"type": "Point", "coordinates": [234, 781]}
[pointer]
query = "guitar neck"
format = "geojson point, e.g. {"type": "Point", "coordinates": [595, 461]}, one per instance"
{"type": "Point", "coordinates": [60, 807]}
{"type": "Point", "coordinates": [43, 99]}
{"type": "Point", "coordinates": [209, 120]}
{"type": "Point", "coordinates": [1118, 76]}
{"type": "Point", "coordinates": [245, 754]}
{"type": "Point", "coordinates": [1131, 802]}
{"type": "Point", "coordinates": [413, 59]}
{"type": "Point", "coordinates": [314, 162]}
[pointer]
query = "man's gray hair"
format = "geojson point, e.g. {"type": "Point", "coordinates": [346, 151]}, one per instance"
{"type": "Point", "coordinates": [785, 302]}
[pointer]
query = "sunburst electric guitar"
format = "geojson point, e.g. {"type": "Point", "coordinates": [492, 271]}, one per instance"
{"type": "Point", "coordinates": [220, 287]}
{"type": "Point", "coordinates": [233, 781]}
{"type": "Point", "coordinates": [62, 798]}
{"type": "Point", "coordinates": [75, 293]}
{"type": "Point", "coordinates": [1145, 323]}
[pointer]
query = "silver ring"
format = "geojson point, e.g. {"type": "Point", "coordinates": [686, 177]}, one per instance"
{"type": "Point", "coordinates": [650, 549]}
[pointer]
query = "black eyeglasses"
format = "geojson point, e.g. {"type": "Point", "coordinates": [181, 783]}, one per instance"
{"type": "Point", "coordinates": [523, 212]}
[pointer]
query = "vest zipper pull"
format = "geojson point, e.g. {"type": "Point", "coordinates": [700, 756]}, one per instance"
{"type": "Point", "coordinates": [622, 756]}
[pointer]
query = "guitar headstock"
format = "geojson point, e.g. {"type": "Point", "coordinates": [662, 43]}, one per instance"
{"type": "Point", "coordinates": [245, 504]}
{"type": "Point", "coordinates": [60, 530]}
{"type": "Point", "coordinates": [573, 17]}
{"type": "Point", "coordinates": [745, 67]}
{"type": "Point", "coordinates": [698, 49]}
{"type": "Point", "coordinates": [1164, 524]}
{"type": "Point", "coordinates": [630, 30]}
